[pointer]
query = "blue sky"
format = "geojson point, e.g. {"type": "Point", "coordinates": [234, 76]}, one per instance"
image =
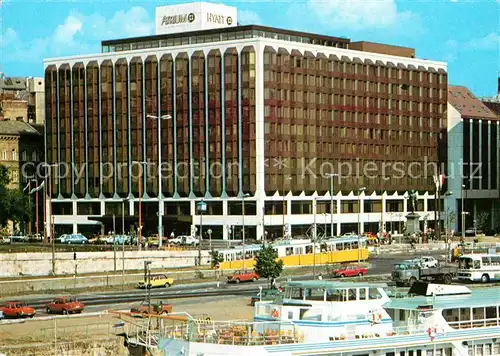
{"type": "Point", "coordinates": [464, 33]}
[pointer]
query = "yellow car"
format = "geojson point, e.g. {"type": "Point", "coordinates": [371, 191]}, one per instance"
{"type": "Point", "coordinates": [157, 280]}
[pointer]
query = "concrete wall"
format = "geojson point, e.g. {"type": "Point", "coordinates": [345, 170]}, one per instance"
{"type": "Point", "coordinates": [40, 264]}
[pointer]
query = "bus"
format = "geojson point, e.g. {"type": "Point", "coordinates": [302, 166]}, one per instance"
{"type": "Point", "coordinates": [479, 267]}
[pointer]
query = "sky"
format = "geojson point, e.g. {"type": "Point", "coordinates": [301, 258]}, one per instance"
{"type": "Point", "coordinates": [463, 33]}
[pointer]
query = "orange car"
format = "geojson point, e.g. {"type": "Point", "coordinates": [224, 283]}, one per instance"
{"type": "Point", "coordinates": [243, 276]}
{"type": "Point", "coordinates": [17, 310]}
{"type": "Point", "coordinates": [65, 305]}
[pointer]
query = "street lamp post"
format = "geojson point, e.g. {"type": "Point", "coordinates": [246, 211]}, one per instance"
{"type": "Point", "coordinates": [243, 222]}
{"type": "Point", "coordinates": [202, 206]}
{"type": "Point", "coordinates": [314, 238]}
{"type": "Point", "coordinates": [360, 190]}
{"type": "Point", "coordinates": [283, 230]}
{"type": "Point", "coordinates": [331, 176]}
{"type": "Point", "coordinates": [160, 195]}
{"type": "Point", "coordinates": [463, 213]}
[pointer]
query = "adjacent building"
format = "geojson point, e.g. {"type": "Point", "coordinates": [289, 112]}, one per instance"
{"type": "Point", "coordinates": [254, 116]}
{"type": "Point", "coordinates": [22, 99]}
{"type": "Point", "coordinates": [473, 161]}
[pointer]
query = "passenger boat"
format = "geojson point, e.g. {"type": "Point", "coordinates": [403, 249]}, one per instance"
{"type": "Point", "coordinates": [299, 252]}
{"type": "Point", "coordinates": [345, 319]}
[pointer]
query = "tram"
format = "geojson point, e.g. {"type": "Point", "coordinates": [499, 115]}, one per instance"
{"type": "Point", "coordinates": [300, 252]}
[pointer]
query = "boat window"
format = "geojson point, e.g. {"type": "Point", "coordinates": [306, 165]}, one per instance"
{"type": "Point", "coordinates": [452, 317]}
{"type": "Point", "coordinates": [402, 315]}
{"type": "Point", "coordinates": [352, 294]}
{"type": "Point", "coordinates": [290, 315]}
{"type": "Point", "coordinates": [295, 293]}
{"type": "Point", "coordinates": [491, 313]}
{"type": "Point", "coordinates": [374, 294]}
{"type": "Point", "coordinates": [333, 295]}
{"type": "Point", "coordinates": [392, 313]}
{"type": "Point", "coordinates": [362, 294]}
{"type": "Point", "coordinates": [464, 314]}
{"type": "Point", "coordinates": [315, 294]}
{"type": "Point", "coordinates": [478, 316]}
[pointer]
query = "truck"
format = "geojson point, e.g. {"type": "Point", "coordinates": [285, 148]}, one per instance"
{"type": "Point", "coordinates": [407, 273]}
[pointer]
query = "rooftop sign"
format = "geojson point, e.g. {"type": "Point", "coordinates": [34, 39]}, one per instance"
{"type": "Point", "coordinates": [194, 17]}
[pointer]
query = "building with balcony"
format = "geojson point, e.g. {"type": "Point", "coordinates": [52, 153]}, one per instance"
{"type": "Point", "coordinates": [257, 114]}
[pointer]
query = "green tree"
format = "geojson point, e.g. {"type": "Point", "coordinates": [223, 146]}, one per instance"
{"type": "Point", "coordinates": [266, 263]}
{"type": "Point", "coordinates": [483, 221]}
{"type": "Point", "coordinates": [215, 258]}
{"type": "Point", "coordinates": [14, 204]}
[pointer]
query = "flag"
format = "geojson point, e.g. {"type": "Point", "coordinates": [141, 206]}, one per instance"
{"type": "Point", "coordinates": [36, 189]}
{"type": "Point", "coordinates": [439, 181]}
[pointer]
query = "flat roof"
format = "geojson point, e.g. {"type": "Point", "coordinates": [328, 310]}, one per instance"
{"type": "Point", "coordinates": [226, 30]}
{"type": "Point", "coordinates": [478, 298]}
{"type": "Point", "coordinates": [334, 284]}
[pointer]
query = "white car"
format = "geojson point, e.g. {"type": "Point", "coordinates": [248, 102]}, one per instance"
{"type": "Point", "coordinates": [427, 262]}
{"type": "Point", "coordinates": [184, 240]}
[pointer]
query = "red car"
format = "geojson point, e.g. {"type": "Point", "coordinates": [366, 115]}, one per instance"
{"type": "Point", "coordinates": [17, 310]}
{"type": "Point", "coordinates": [243, 276]}
{"type": "Point", "coordinates": [65, 305]}
{"type": "Point", "coordinates": [350, 271]}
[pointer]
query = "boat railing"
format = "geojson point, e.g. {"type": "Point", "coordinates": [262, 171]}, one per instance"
{"type": "Point", "coordinates": [235, 333]}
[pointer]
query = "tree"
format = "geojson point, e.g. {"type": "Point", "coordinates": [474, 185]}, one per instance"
{"type": "Point", "coordinates": [267, 264]}
{"type": "Point", "coordinates": [215, 258]}
{"type": "Point", "coordinates": [483, 221]}
{"type": "Point", "coordinates": [14, 204]}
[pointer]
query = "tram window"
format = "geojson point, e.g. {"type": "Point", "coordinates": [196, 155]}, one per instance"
{"type": "Point", "coordinates": [374, 294]}
{"type": "Point", "coordinates": [309, 249]}
{"type": "Point", "coordinates": [354, 245]}
{"type": "Point", "coordinates": [298, 250]}
{"type": "Point", "coordinates": [390, 354]}
{"type": "Point", "coordinates": [402, 353]}
{"type": "Point", "coordinates": [340, 247]}
{"type": "Point", "coordinates": [289, 251]}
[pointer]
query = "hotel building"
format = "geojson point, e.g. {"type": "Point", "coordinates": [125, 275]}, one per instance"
{"type": "Point", "coordinates": [255, 117]}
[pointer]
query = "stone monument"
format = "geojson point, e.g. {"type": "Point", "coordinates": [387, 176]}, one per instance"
{"type": "Point", "coordinates": [412, 219]}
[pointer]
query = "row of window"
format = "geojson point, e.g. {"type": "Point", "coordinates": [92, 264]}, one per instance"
{"type": "Point", "coordinates": [35, 155]}
{"type": "Point", "coordinates": [218, 37]}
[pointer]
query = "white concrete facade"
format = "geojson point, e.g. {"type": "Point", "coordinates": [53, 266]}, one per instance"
{"type": "Point", "coordinates": [259, 221]}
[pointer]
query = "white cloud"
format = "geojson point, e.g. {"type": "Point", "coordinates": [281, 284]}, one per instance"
{"type": "Point", "coordinates": [77, 34]}
{"type": "Point", "coordinates": [64, 33]}
{"type": "Point", "coordinates": [358, 14]}
{"type": "Point", "coordinates": [248, 17]}
{"type": "Point", "coordinates": [488, 42]}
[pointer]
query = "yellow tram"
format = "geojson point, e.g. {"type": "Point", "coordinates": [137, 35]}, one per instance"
{"type": "Point", "coordinates": [300, 252]}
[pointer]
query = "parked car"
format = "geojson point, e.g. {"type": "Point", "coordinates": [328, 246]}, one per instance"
{"type": "Point", "coordinates": [75, 239]}
{"type": "Point", "coordinates": [154, 308]}
{"type": "Point", "coordinates": [157, 280]}
{"type": "Point", "coordinates": [243, 276]}
{"type": "Point", "coordinates": [65, 305]}
{"type": "Point", "coordinates": [17, 310]}
{"type": "Point", "coordinates": [19, 238]}
{"type": "Point", "coordinates": [184, 240]}
{"type": "Point", "coordinates": [265, 295]}
{"type": "Point", "coordinates": [350, 271]}
{"type": "Point", "coordinates": [4, 240]}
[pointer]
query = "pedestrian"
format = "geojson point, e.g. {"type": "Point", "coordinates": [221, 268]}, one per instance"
{"type": "Point", "coordinates": [273, 283]}
{"type": "Point", "coordinates": [320, 277]}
